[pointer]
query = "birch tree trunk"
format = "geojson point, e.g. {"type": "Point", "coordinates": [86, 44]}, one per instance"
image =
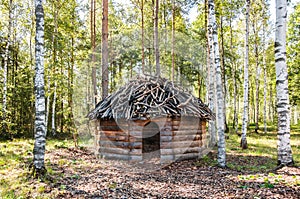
{"type": "Point", "coordinates": [219, 91]}
{"type": "Point", "coordinates": [40, 127]}
{"type": "Point", "coordinates": [211, 82]}
{"type": "Point", "coordinates": [207, 51]}
{"type": "Point", "coordinates": [244, 144]}
{"type": "Point", "coordinates": [53, 126]}
{"type": "Point", "coordinates": [105, 49]}
{"type": "Point", "coordinates": [283, 104]}
{"type": "Point", "coordinates": [156, 39]}
{"type": "Point", "coordinates": [223, 73]}
{"type": "Point", "coordinates": [5, 66]}
{"type": "Point", "coordinates": [257, 83]}
{"type": "Point", "coordinates": [265, 80]}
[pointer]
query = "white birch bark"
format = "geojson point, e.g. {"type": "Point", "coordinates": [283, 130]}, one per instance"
{"type": "Point", "coordinates": [40, 127]}
{"type": "Point", "coordinates": [53, 127]}
{"type": "Point", "coordinates": [265, 80]}
{"type": "Point", "coordinates": [246, 81]}
{"type": "Point", "coordinates": [211, 83]}
{"type": "Point", "coordinates": [5, 65]}
{"type": "Point", "coordinates": [283, 104]}
{"type": "Point", "coordinates": [219, 91]}
{"type": "Point", "coordinates": [257, 78]}
{"type": "Point", "coordinates": [48, 103]}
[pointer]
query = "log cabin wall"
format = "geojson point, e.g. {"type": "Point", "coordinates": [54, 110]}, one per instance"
{"type": "Point", "coordinates": [180, 138]}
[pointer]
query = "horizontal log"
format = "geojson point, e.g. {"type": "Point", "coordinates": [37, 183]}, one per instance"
{"type": "Point", "coordinates": [116, 144]}
{"type": "Point", "coordinates": [114, 151]}
{"type": "Point", "coordinates": [113, 133]}
{"type": "Point", "coordinates": [180, 138]}
{"type": "Point", "coordinates": [135, 139]}
{"type": "Point", "coordinates": [110, 128]}
{"type": "Point", "coordinates": [114, 138]}
{"type": "Point", "coordinates": [136, 158]}
{"type": "Point", "coordinates": [136, 152]}
{"type": "Point", "coordinates": [186, 127]}
{"type": "Point", "coordinates": [179, 144]}
{"type": "Point", "coordinates": [179, 151]}
{"type": "Point", "coordinates": [114, 156]}
{"type": "Point", "coordinates": [187, 132]}
{"type": "Point", "coordinates": [166, 158]}
{"type": "Point", "coordinates": [166, 133]}
{"type": "Point", "coordinates": [110, 122]}
{"type": "Point", "coordinates": [136, 133]}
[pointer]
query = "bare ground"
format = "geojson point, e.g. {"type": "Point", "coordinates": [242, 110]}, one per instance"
{"type": "Point", "coordinates": [78, 174]}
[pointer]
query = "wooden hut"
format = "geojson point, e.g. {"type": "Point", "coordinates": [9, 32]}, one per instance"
{"type": "Point", "coordinates": [150, 117]}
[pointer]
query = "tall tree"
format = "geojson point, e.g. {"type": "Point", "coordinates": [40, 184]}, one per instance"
{"type": "Point", "coordinates": [258, 71]}
{"type": "Point", "coordinates": [283, 104]}
{"type": "Point", "coordinates": [219, 89]}
{"type": "Point", "coordinates": [93, 41]}
{"type": "Point", "coordinates": [143, 37]}
{"type": "Point", "coordinates": [244, 144]}
{"type": "Point", "coordinates": [5, 68]}
{"type": "Point", "coordinates": [104, 48]}
{"type": "Point", "coordinates": [173, 39]}
{"type": "Point", "coordinates": [156, 39]}
{"type": "Point", "coordinates": [40, 126]}
{"type": "Point", "coordinates": [211, 79]}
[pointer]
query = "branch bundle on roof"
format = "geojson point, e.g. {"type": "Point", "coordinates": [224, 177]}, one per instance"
{"type": "Point", "coordinates": [148, 97]}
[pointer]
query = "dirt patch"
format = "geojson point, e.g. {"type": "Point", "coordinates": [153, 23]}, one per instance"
{"type": "Point", "coordinates": [78, 174]}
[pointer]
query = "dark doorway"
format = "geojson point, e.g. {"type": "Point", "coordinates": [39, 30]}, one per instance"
{"type": "Point", "coordinates": [151, 141]}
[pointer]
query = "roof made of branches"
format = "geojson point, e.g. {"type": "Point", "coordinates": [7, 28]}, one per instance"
{"type": "Point", "coordinates": [149, 97]}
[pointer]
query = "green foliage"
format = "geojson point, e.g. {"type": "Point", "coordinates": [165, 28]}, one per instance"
{"type": "Point", "coordinates": [293, 54]}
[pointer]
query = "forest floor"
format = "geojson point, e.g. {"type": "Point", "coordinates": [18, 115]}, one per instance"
{"type": "Point", "coordinates": [76, 173]}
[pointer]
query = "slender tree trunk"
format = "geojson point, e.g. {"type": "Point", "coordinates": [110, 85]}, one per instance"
{"type": "Point", "coordinates": [40, 127]}
{"type": "Point", "coordinates": [143, 37]}
{"type": "Point", "coordinates": [48, 103]}
{"type": "Point", "coordinates": [71, 126]}
{"type": "Point", "coordinates": [207, 51]}
{"type": "Point", "coordinates": [257, 83]}
{"type": "Point", "coordinates": [211, 80]}
{"type": "Point", "coordinates": [55, 64]}
{"type": "Point", "coordinates": [53, 126]}
{"type": "Point", "coordinates": [283, 105]}
{"type": "Point", "coordinates": [5, 68]}
{"type": "Point", "coordinates": [156, 39]}
{"type": "Point", "coordinates": [265, 81]}
{"type": "Point", "coordinates": [234, 76]}
{"type": "Point", "coordinates": [244, 144]}
{"type": "Point", "coordinates": [219, 92]}
{"type": "Point", "coordinates": [105, 49]}
{"type": "Point", "coordinates": [93, 40]}
{"type": "Point", "coordinates": [223, 74]}
{"type": "Point", "coordinates": [271, 105]}
{"type": "Point", "coordinates": [173, 39]}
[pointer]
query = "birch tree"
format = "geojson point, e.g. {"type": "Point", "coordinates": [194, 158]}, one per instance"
{"type": "Point", "coordinates": [104, 48]}
{"type": "Point", "coordinates": [219, 89]}
{"type": "Point", "coordinates": [5, 65]}
{"type": "Point", "coordinates": [244, 144]}
{"type": "Point", "coordinates": [282, 91]}
{"type": "Point", "coordinates": [211, 81]}
{"type": "Point", "coordinates": [40, 126]}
